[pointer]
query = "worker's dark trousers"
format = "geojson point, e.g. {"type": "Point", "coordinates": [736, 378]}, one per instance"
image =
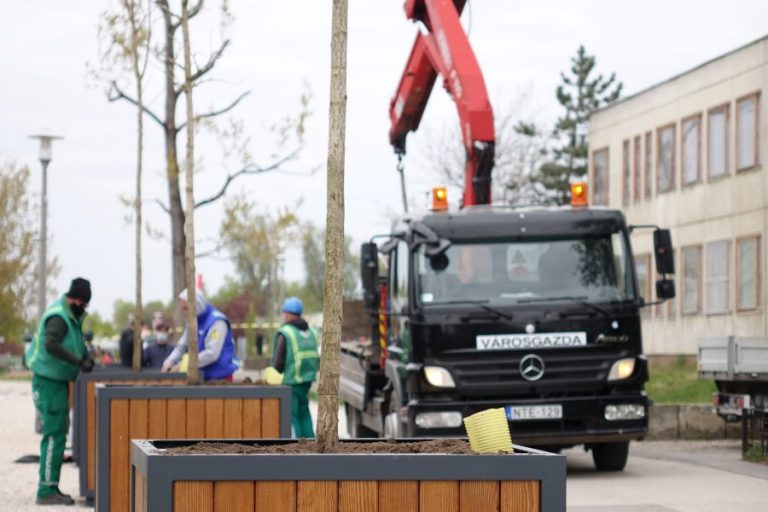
{"type": "Point", "coordinates": [301, 419]}
{"type": "Point", "coordinates": [51, 399]}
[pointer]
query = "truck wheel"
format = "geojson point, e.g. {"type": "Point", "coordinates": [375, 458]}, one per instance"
{"type": "Point", "coordinates": [355, 425]}
{"type": "Point", "coordinates": [610, 456]}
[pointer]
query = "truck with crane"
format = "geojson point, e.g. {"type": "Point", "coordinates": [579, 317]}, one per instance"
{"type": "Point", "coordinates": [535, 310]}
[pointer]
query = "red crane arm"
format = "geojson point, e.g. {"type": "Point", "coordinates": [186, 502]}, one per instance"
{"type": "Point", "coordinates": [445, 49]}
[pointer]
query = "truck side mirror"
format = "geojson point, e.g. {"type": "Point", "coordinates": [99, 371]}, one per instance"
{"type": "Point", "coordinates": [369, 271]}
{"type": "Point", "coordinates": [665, 289]}
{"type": "Point", "coordinates": [665, 254]}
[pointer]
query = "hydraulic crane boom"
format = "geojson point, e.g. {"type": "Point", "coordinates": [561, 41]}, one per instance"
{"type": "Point", "coordinates": [444, 48]}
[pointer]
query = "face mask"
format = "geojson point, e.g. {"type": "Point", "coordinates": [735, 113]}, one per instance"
{"type": "Point", "coordinates": [161, 337]}
{"type": "Point", "coordinates": [77, 310]}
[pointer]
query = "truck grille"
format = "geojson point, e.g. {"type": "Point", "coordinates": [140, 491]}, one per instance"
{"type": "Point", "coordinates": [566, 372]}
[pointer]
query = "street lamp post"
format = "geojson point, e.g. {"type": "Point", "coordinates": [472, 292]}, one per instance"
{"type": "Point", "coordinates": [46, 143]}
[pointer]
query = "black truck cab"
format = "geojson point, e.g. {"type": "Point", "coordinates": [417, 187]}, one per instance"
{"type": "Point", "coordinates": [532, 310]}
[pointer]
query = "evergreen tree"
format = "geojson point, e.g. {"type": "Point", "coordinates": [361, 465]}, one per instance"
{"type": "Point", "coordinates": [579, 95]}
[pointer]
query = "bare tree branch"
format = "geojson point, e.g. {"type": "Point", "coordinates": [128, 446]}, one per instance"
{"type": "Point", "coordinates": [115, 93]}
{"type": "Point", "coordinates": [248, 169]}
{"type": "Point", "coordinates": [200, 72]}
{"type": "Point", "coordinates": [163, 206]}
{"type": "Point", "coordinates": [215, 113]}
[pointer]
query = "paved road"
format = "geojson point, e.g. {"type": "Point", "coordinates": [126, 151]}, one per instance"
{"type": "Point", "coordinates": [660, 476]}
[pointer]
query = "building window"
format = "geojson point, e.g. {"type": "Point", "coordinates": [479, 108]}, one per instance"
{"type": "Point", "coordinates": [747, 132]}
{"type": "Point", "coordinates": [717, 278]}
{"type": "Point", "coordinates": [691, 293]}
{"type": "Point", "coordinates": [600, 177]}
{"type": "Point", "coordinates": [748, 273]}
{"type": "Point", "coordinates": [717, 124]}
{"type": "Point", "coordinates": [665, 158]}
{"type": "Point", "coordinates": [637, 172]}
{"type": "Point", "coordinates": [626, 181]}
{"type": "Point", "coordinates": [691, 147]}
{"type": "Point", "coordinates": [648, 165]}
{"type": "Point", "coordinates": [643, 269]}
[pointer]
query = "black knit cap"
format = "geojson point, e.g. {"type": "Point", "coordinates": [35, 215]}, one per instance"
{"type": "Point", "coordinates": [80, 289]}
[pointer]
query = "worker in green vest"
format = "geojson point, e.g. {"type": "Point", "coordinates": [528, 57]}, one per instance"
{"type": "Point", "coordinates": [55, 357]}
{"type": "Point", "coordinates": [295, 356]}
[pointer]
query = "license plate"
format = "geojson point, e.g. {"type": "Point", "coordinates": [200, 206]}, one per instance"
{"type": "Point", "coordinates": [534, 412]}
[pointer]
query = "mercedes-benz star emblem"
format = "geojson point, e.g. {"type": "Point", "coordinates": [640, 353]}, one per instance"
{"type": "Point", "coordinates": [532, 367]}
{"type": "Point", "coordinates": [530, 329]}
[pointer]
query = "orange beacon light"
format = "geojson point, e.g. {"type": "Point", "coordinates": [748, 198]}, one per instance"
{"type": "Point", "coordinates": [439, 199]}
{"type": "Point", "coordinates": [579, 194]}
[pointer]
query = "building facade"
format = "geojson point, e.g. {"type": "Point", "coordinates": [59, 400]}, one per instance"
{"type": "Point", "coordinates": [687, 154]}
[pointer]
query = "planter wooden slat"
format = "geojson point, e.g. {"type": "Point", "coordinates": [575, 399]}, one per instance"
{"type": "Point", "coordinates": [233, 426]}
{"type": "Point", "coordinates": [521, 496]}
{"type": "Point", "coordinates": [252, 419]}
{"type": "Point", "coordinates": [397, 496]}
{"type": "Point", "coordinates": [119, 419]}
{"type": "Point", "coordinates": [270, 418]}
{"type": "Point", "coordinates": [439, 496]}
{"type": "Point", "coordinates": [357, 496]}
{"type": "Point", "coordinates": [193, 496]}
{"type": "Point", "coordinates": [177, 419]}
{"type": "Point", "coordinates": [141, 491]}
{"type": "Point", "coordinates": [479, 496]}
{"type": "Point", "coordinates": [195, 419]}
{"type": "Point", "coordinates": [275, 496]}
{"type": "Point", "coordinates": [317, 496]}
{"type": "Point", "coordinates": [233, 497]}
{"type": "Point", "coordinates": [85, 413]}
{"type": "Point", "coordinates": [130, 412]}
{"type": "Point", "coordinates": [158, 414]}
{"type": "Point", "coordinates": [214, 418]}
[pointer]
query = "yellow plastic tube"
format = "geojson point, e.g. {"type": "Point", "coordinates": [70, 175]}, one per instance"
{"type": "Point", "coordinates": [488, 431]}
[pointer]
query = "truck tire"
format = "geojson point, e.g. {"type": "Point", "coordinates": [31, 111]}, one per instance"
{"type": "Point", "coordinates": [393, 426]}
{"type": "Point", "coordinates": [355, 425]}
{"type": "Point", "coordinates": [610, 456]}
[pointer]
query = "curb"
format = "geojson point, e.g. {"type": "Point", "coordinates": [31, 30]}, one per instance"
{"type": "Point", "coordinates": [689, 421]}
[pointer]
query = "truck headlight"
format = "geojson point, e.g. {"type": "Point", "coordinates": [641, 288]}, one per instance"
{"type": "Point", "coordinates": [439, 377]}
{"type": "Point", "coordinates": [446, 419]}
{"type": "Point", "coordinates": [624, 412]}
{"type": "Point", "coordinates": [622, 369]}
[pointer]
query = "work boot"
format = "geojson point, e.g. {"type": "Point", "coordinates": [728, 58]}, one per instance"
{"type": "Point", "coordinates": [56, 498]}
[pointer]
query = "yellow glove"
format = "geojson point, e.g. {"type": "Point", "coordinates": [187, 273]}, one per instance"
{"type": "Point", "coordinates": [272, 376]}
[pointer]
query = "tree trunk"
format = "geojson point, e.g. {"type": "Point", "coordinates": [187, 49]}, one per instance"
{"type": "Point", "coordinates": [328, 388]}
{"type": "Point", "coordinates": [193, 372]}
{"type": "Point", "coordinates": [178, 241]}
{"type": "Point", "coordinates": [137, 75]}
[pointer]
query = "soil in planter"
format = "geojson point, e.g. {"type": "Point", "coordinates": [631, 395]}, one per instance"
{"type": "Point", "coordinates": [304, 446]}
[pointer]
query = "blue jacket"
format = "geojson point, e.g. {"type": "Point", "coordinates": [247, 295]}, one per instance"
{"type": "Point", "coordinates": [225, 365]}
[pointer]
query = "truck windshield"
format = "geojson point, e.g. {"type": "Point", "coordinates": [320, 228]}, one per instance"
{"type": "Point", "coordinates": [594, 269]}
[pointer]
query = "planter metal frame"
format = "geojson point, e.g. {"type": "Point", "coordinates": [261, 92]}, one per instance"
{"type": "Point", "coordinates": [80, 420]}
{"type": "Point", "coordinates": [107, 393]}
{"type": "Point", "coordinates": [161, 470]}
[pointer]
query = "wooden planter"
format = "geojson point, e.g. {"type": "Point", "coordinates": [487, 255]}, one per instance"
{"type": "Point", "coordinates": [178, 412]}
{"type": "Point", "coordinates": [534, 482]}
{"type": "Point", "coordinates": [84, 424]}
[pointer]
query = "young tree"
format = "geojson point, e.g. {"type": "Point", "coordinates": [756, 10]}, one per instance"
{"type": "Point", "coordinates": [328, 387]}
{"type": "Point", "coordinates": [18, 238]}
{"type": "Point", "coordinates": [580, 94]}
{"type": "Point", "coordinates": [128, 34]}
{"type": "Point", "coordinates": [193, 370]}
{"type": "Point", "coordinates": [168, 60]}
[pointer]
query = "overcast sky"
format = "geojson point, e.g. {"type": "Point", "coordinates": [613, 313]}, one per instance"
{"type": "Point", "coordinates": [276, 47]}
